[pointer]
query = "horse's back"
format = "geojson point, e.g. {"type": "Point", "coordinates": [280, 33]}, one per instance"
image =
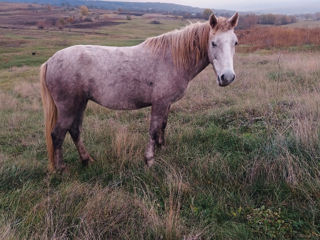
{"type": "Point", "coordinates": [110, 76]}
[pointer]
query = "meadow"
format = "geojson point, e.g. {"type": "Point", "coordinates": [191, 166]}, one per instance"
{"type": "Point", "coordinates": [241, 162]}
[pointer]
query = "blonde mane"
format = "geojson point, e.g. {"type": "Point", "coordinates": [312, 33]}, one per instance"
{"type": "Point", "coordinates": [188, 45]}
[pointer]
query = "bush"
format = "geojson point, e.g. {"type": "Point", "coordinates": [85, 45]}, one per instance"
{"type": "Point", "coordinates": [270, 223]}
{"type": "Point", "coordinates": [84, 10]}
{"type": "Point", "coordinates": [206, 13]}
{"type": "Point", "coordinates": [155, 22]}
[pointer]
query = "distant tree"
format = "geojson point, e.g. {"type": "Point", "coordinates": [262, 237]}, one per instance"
{"type": "Point", "coordinates": [206, 13]}
{"type": "Point", "coordinates": [284, 20]}
{"type": "Point", "coordinates": [247, 21]}
{"type": "Point", "coordinates": [61, 23]}
{"type": "Point", "coordinates": [84, 10]}
{"type": "Point", "coordinates": [294, 19]}
{"type": "Point", "coordinates": [267, 19]}
{"type": "Point", "coordinates": [278, 19]}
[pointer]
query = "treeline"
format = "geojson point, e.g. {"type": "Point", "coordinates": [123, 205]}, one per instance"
{"type": "Point", "coordinates": [247, 21]}
{"type": "Point", "coordinates": [310, 16]}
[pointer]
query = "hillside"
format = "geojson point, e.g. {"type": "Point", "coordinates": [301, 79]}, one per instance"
{"type": "Point", "coordinates": [129, 6]}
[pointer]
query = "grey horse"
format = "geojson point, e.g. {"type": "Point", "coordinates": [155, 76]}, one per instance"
{"type": "Point", "coordinates": [154, 73]}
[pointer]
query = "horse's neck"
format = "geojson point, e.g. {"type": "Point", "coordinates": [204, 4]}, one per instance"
{"type": "Point", "coordinates": [195, 69]}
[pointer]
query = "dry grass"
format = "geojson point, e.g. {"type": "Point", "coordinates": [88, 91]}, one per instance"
{"type": "Point", "coordinates": [8, 102]}
{"type": "Point", "coordinates": [268, 89]}
{"type": "Point", "coordinates": [275, 37]}
{"type": "Point", "coordinates": [125, 144]}
{"type": "Point", "coordinates": [6, 232]}
{"type": "Point", "coordinates": [274, 95]}
{"type": "Point", "coordinates": [102, 212]}
{"type": "Point", "coordinates": [98, 213]}
{"type": "Point", "coordinates": [177, 187]}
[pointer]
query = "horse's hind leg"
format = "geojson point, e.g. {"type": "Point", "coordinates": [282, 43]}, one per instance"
{"type": "Point", "coordinates": [68, 118]}
{"type": "Point", "coordinates": [58, 134]}
{"type": "Point", "coordinates": [75, 132]}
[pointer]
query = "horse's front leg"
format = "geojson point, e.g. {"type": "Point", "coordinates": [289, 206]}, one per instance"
{"type": "Point", "coordinates": [159, 115]}
{"type": "Point", "coordinates": [160, 141]}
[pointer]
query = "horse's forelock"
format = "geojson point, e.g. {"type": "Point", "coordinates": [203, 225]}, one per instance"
{"type": "Point", "coordinates": [188, 45]}
{"type": "Point", "coordinates": [223, 25]}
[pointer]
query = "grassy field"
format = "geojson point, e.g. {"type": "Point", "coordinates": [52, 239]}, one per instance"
{"type": "Point", "coordinates": [241, 162]}
{"type": "Point", "coordinates": [305, 24]}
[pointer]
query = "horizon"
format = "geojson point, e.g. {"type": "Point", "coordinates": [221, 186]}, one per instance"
{"type": "Point", "coordinates": [290, 6]}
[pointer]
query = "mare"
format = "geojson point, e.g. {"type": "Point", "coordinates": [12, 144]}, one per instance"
{"type": "Point", "coordinates": [154, 73]}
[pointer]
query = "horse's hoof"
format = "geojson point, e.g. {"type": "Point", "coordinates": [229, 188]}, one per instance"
{"type": "Point", "coordinates": [62, 170]}
{"type": "Point", "coordinates": [65, 171]}
{"type": "Point", "coordinates": [87, 161]}
{"type": "Point", "coordinates": [91, 160]}
{"type": "Point", "coordinates": [149, 162]}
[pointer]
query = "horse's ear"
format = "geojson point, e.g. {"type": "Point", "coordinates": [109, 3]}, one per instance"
{"type": "Point", "coordinates": [213, 21]}
{"type": "Point", "coordinates": [234, 20]}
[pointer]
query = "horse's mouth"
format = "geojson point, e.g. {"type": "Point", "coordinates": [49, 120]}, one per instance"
{"type": "Point", "coordinates": [223, 83]}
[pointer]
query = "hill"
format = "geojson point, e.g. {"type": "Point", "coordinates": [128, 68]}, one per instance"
{"type": "Point", "coordinates": [129, 6]}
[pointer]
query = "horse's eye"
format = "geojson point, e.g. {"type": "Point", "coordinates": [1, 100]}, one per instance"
{"type": "Point", "coordinates": [214, 44]}
{"type": "Point", "coordinates": [236, 43]}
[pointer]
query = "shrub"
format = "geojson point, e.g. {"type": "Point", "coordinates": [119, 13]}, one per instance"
{"type": "Point", "coordinates": [270, 223]}
{"type": "Point", "coordinates": [84, 10]}
{"type": "Point", "coordinates": [206, 13]}
{"type": "Point", "coordinates": [61, 23]}
{"type": "Point", "coordinates": [155, 22]}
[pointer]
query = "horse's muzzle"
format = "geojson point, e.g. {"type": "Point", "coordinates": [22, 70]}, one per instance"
{"type": "Point", "coordinates": [226, 78]}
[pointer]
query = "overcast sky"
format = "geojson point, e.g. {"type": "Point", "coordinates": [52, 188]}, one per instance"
{"type": "Point", "coordinates": [241, 5]}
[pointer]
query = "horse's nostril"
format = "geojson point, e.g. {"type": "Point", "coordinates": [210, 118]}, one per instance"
{"type": "Point", "coordinates": [227, 77]}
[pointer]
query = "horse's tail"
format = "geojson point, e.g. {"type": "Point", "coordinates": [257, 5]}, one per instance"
{"type": "Point", "coordinates": [50, 114]}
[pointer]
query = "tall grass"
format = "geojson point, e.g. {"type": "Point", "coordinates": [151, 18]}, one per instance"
{"type": "Point", "coordinates": [240, 162]}
{"type": "Point", "coordinates": [278, 37]}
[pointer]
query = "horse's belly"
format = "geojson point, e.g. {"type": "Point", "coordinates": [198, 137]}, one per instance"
{"type": "Point", "coordinates": [126, 96]}
{"type": "Point", "coordinates": [122, 104]}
